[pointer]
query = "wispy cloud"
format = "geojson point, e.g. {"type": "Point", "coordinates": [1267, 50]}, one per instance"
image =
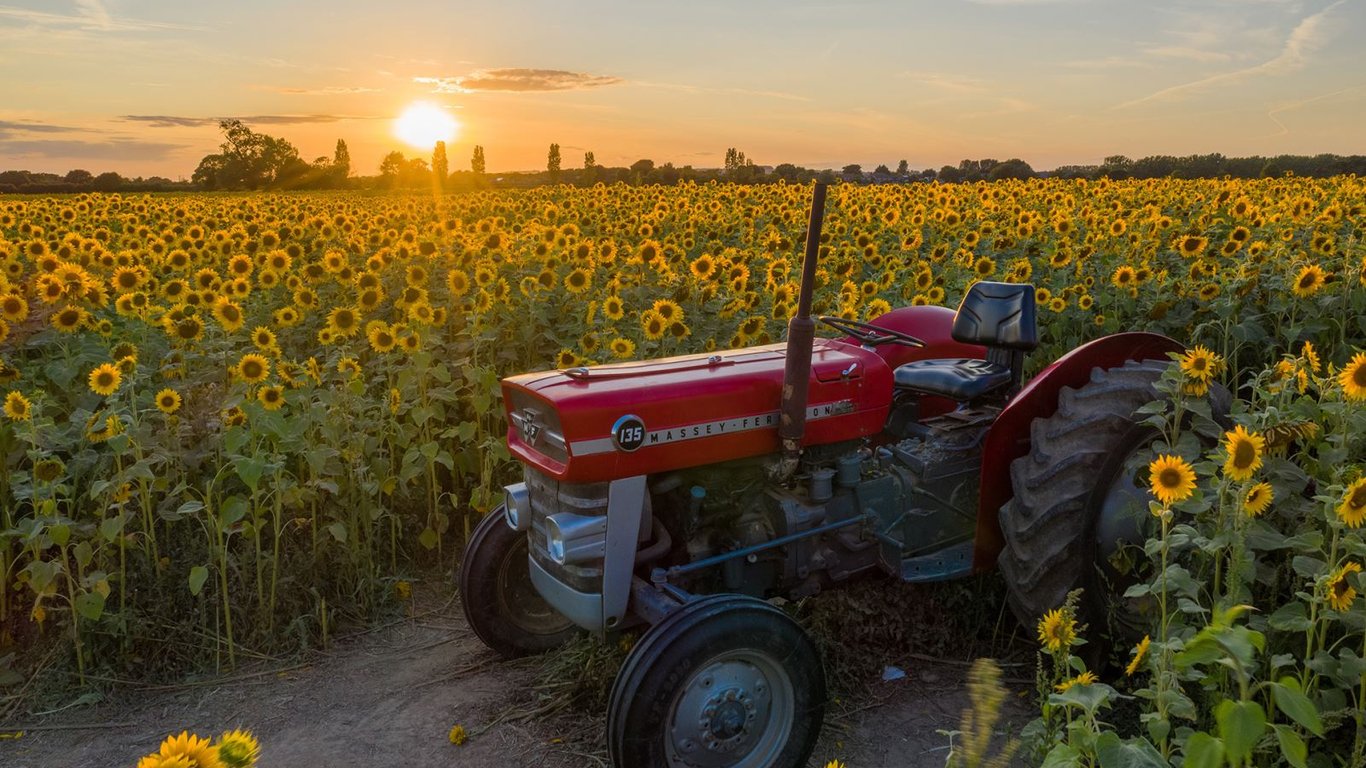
{"type": "Point", "coordinates": [700, 89]}
{"type": "Point", "coordinates": [90, 15]}
{"type": "Point", "coordinates": [1183, 52]}
{"type": "Point", "coordinates": [1294, 106]}
{"type": "Point", "coordinates": [331, 90]}
{"type": "Point", "coordinates": [176, 121]}
{"type": "Point", "coordinates": [517, 80]}
{"type": "Point", "coordinates": [1304, 39]}
{"type": "Point", "coordinates": [11, 127]}
{"type": "Point", "coordinates": [947, 82]}
{"type": "Point", "coordinates": [109, 149]}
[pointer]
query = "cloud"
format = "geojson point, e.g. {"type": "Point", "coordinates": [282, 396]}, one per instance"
{"type": "Point", "coordinates": [1182, 52]}
{"type": "Point", "coordinates": [8, 127]}
{"type": "Point", "coordinates": [331, 90]}
{"type": "Point", "coordinates": [91, 15]}
{"type": "Point", "coordinates": [111, 149]}
{"type": "Point", "coordinates": [945, 82]}
{"type": "Point", "coordinates": [518, 80]}
{"type": "Point", "coordinates": [1304, 39]}
{"type": "Point", "coordinates": [685, 88]}
{"type": "Point", "coordinates": [175, 121]}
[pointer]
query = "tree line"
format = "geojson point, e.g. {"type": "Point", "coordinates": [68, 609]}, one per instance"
{"type": "Point", "coordinates": [248, 160]}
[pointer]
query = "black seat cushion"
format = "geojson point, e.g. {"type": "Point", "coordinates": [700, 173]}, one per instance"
{"type": "Point", "coordinates": [960, 380]}
{"type": "Point", "coordinates": [998, 315]}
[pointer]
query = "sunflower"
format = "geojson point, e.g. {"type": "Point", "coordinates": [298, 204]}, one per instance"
{"type": "Point", "coordinates": [195, 751]}
{"type": "Point", "coordinates": [348, 366]}
{"type": "Point", "coordinates": [343, 321]}
{"type": "Point", "coordinates": [18, 407]}
{"type": "Point", "coordinates": [1341, 593]}
{"type": "Point", "coordinates": [263, 338]}
{"type": "Point", "coordinates": [271, 397]}
{"type": "Point", "coordinates": [238, 749]}
{"type": "Point", "coordinates": [105, 379]}
{"type": "Point", "coordinates": [1244, 453]}
{"type": "Point", "coordinates": [1308, 281]}
{"type": "Point", "coordinates": [1352, 510]}
{"type": "Point", "coordinates": [228, 314]}
{"type": "Point", "coordinates": [253, 368]}
{"type": "Point", "coordinates": [168, 401]}
{"type": "Point", "coordinates": [1140, 651]}
{"type": "Point", "coordinates": [984, 267]}
{"type": "Point", "coordinates": [622, 348]}
{"type": "Point", "coordinates": [235, 416]}
{"type": "Point", "coordinates": [13, 307]}
{"type": "Point", "coordinates": [1191, 245]}
{"type": "Point", "coordinates": [112, 426]}
{"type": "Point", "coordinates": [653, 324]}
{"type": "Point", "coordinates": [381, 338]}
{"type": "Point", "coordinates": [188, 329]}
{"type": "Point", "coordinates": [69, 319]}
{"type": "Point", "coordinates": [1353, 378]}
{"type": "Point", "coordinates": [1085, 678]}
{"type": "Point", "coordinates": [578, 281]}
{"type": "Point", "coordinates": [1172, 479]}
{"type": "Point", "coordinates": [1258, 498]}
{"type": "Point", "coordinates": [1057, 629]}
{"type": "Point", "coordinates": [1200, 364]}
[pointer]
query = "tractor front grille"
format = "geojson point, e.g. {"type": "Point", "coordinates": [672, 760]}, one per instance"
{"type": "Point", "coordinates": [549, 497]}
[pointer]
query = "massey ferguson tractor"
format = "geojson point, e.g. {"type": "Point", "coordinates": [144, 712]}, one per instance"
{"type": "Point", "coordinates": [681, 494]}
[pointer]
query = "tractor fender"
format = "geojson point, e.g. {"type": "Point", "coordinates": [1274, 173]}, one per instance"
{"type": "Point", "coordinates": [1009, 438]}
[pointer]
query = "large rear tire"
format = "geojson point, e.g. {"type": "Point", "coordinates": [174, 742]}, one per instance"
{"type": "Point", "coordinates": [726, 681]}
{"type": "Point", "coordinates": [1078, 500]}
{"type": "Point", "coordinates": [502, 605]}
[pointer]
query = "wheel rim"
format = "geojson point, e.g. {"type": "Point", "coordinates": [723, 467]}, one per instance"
{"type": "Point", "coordinates": [737, 711]}
{"type": "Point", "coordinates": [518, 599]}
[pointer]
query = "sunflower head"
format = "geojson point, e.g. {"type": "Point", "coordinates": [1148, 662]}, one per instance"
{"type": "Point", "coordinates": [1341, 592]}
{"type": "Point", "coordinates": [238, 749]}
{"type": "Point", "coordinates": [18, 407]}
{"type": "Point", "coordinates": [1244, 453]}
{"type": "Point", "coordinates": [1258, 498]}
{"type": "Point", "coordinates": [1352, 510]}
{"type": "Point", "coordinates": [1057, 629]}
{"type": "Point", "coordinates": [1171, 479]}
{"type": "Point", "coordinates": [105, 379]}
{"type": "Point", "coordinates": [168, 401]}
{"type": "Point", "coordinates": [1353, 378]}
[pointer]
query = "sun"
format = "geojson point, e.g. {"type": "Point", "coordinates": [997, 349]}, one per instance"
{"type": "Point", "coordinates": [423, 124]}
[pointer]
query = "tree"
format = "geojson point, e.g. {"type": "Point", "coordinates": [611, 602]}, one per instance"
{"type": "Point", "coordinates": [108, 182]}
{"type": "Point", "coordinates": [882, 170]}
{"type": "Point", "coordinates": [853, 171]}
{"type": "Point", "coordinates": [392, 164]}
{"type": "Point", "coordinates": [1014, 168]}
{"type": "Point", "coordinates": [248, 160]}
{"type": "Point", "coordinates": [440, 168]}
{"type": "Point", "coordinates": [341, 164]}
{"type": "Point", "coordinates": [589, 162]}
{"type": "Point", "coordinates": [552, 161]}
{"type": "Point", "coordinates": [642, 168]}
{"type": "Point", "coordinates": [79, 177]}
{"type": "Point", "coordinates": [477, 160]}
{"type": "Point", "coordinates": [903, 168]}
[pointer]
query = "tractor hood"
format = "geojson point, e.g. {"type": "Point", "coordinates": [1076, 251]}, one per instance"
{"type": "Point", "coordinates": [605, 422]}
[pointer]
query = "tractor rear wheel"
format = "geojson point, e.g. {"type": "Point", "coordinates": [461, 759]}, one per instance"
{"type": "Point", "coordinates": [502, 605]}
{"type": "Point", "coordinates": [1078, 500]}
{"type": "Point", "coordinates": [726, 681]}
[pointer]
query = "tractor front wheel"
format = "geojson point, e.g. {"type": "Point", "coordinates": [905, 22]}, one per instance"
{"type": "Point", "coordinates": [502, 605]}
{"type": "Point", "coordinates": [1079, 501]}
{"type": "Point", "coordinates": [726, 681]}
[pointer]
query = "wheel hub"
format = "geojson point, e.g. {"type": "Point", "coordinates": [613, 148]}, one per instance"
{"type": "Point", "coordinates": [724, 717]}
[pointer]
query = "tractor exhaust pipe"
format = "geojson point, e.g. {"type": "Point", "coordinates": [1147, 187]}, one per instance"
{"type": "Point", "coordinates": [801, 333]}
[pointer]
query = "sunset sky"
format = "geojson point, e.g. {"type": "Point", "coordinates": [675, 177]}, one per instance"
{"type": "Point", "coordinates": [136, 86]}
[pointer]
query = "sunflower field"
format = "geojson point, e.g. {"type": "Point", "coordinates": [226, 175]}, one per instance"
{"type": "Point", "coordinates": [232, 422]}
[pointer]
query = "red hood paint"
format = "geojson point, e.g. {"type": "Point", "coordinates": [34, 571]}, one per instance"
{"type": "Point", "coordinates": [693, 410]}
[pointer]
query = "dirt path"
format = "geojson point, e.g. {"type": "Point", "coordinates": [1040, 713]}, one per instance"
{"type": "Point", "coordinates": [390, 697]}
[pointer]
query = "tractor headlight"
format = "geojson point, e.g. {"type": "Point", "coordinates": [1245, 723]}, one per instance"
{"type": "Point", "coordinates": [517, 507]}
{"type": "Point", "coordinates": [574, 538]}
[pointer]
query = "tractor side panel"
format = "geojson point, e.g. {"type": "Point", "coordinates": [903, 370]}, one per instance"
{"type": "Point", "coordinates": [1009, 436]}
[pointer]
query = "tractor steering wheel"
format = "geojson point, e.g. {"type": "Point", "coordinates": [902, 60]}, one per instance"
{"type": "Point", "coordinates": [870, 334]}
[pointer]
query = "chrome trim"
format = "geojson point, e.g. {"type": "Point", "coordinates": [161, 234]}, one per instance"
{"type": "Point", "coordinates": [576, 538]}
{"type": "Point", "coordinates": [710, 428]}
{"type": "Point", "coordinates": [517, 507]}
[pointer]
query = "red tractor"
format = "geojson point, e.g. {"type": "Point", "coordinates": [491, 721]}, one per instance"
{"type": "Point", "coordinates": [683, 493]}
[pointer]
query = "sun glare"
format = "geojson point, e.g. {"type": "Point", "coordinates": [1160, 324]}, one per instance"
{"type": "Point", "coordinates": [423, 124]}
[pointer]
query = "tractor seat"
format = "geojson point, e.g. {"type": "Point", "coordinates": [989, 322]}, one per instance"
{"type": "Point", "coordinates": [998, 316]}
{"type": "Point", "coordinates": [961, 380]}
